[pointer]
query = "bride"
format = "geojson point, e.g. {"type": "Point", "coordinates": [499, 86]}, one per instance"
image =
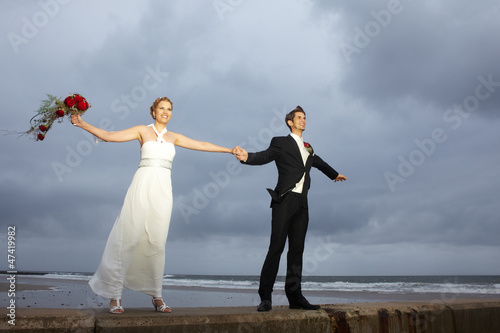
{"type": "Point", "coordinates": [134, 256]}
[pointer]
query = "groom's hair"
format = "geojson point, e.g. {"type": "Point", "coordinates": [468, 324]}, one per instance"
{"type": "Point", "coordinates": [291, 115]}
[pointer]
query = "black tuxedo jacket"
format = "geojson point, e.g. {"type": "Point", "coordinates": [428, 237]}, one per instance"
{"type": "Point", "coordinates": [285, 153]}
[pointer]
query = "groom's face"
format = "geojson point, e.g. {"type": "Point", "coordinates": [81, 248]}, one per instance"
{"type": "Point", "coordinates": [298, 122]}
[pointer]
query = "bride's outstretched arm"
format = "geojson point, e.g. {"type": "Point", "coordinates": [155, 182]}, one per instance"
{"type": "Point", "coordinates": [185, 142]}
{"type": "Point", "coordinates": [129, 134]}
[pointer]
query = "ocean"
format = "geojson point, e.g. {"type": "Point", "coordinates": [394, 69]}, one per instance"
{"type": "Point", "coordinates": [461, 284]}
{"type": "Point", "coordinates": [71, 290]}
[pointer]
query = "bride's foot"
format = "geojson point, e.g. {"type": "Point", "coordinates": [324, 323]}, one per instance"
{"type": "Point", "coordinates": [160, 306]}
{"type": "Point", "coordinates": [115, 306]}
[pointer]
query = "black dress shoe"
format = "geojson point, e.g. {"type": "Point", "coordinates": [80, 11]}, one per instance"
{"type": "Point", "coordinates": [264, 306]}
{"type": "Point", "coordinates": [303, 304]}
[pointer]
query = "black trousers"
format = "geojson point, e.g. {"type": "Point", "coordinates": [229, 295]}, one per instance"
{"type": "Point", "coordinates": [290, 219]}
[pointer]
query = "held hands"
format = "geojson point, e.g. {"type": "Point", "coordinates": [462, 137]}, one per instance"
{"type": "Point", "coordinates": [340, 178]}
{"type": "Point", "coordinates": [241, 154]}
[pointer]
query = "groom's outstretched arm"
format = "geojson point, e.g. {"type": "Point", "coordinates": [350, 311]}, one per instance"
{"type": "Point", "coordinates": [327, 169]}
{"type": "Point", "coordinates": [258, 158]}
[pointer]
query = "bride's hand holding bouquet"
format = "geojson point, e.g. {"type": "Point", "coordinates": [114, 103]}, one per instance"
{"type": "Point", "coordinates": [77, 120]}
{"type": "Point", "coordinates": [54, 109]}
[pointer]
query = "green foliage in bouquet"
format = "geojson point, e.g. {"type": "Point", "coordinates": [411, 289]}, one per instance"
{"type": "Point", "coordinates": [53, 110]}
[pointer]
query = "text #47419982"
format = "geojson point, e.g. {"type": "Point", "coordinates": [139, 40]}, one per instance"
{"type": "Point", "coordinates": [11, 273]}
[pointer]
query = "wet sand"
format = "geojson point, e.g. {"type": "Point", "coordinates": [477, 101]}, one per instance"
{"type": "Point", "coordinates": [34, 292]}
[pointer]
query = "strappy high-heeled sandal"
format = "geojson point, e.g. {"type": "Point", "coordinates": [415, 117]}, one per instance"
{"type": "Point", "coordinates": [117, 309]}
{"type": "Point", "coordinates": [163, 307]}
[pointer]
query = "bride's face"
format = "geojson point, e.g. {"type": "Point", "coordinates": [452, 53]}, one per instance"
{"type": "Point", "coordinates": [163, 112]}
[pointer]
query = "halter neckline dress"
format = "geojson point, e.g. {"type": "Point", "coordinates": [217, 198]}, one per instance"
{"type": "Point", "coordinates": [134, 256]}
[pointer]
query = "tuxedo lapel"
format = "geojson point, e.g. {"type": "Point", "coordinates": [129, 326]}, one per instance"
{"type": "Point", "coordinates": [309, 161]}
{"type": "Point", "coordinates": [295, 148]}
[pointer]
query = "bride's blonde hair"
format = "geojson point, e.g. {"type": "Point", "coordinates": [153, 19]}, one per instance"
{"type": "Point", "coordinates": [156, 102]}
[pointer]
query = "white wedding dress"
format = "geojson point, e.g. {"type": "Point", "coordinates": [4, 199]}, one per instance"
{"type": "Point", "coordinates": [134, 257]}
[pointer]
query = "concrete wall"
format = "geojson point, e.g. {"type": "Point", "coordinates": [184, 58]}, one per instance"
{"type": "Point", "coordinates": [464, 316]}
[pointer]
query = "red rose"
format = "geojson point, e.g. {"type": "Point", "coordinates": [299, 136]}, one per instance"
{"type": "Point", "coordinates": [78, 98]}
{"type": "Point", "coordinates": [83, 105]}
{"type": "Point", "coordinates": [42, 128]}
{"type": "Point", "coordinates": [41, 137]}
{"type": "Point", "coordinates": [60, 113]}
{"type": "Point", "coordinates": [309, 148]}
{"type": "Point", "coordinates": [69, 101]}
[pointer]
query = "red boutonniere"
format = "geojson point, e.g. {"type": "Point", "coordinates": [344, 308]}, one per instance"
{"type": "Point", "coordinates": [309, 148]}
{"type": "Point", "coordinates": [54, 109]}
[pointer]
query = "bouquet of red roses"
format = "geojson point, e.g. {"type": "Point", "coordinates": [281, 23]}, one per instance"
{"type": "Point", "coordinates": [52, 110]}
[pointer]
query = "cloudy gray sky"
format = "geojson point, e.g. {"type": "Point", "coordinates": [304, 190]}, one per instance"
{"type": "Point", "coordinates": [402, 97]}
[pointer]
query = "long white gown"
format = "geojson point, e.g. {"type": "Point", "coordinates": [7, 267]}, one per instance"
{"type": "Point", "coordinates": [134, 256]}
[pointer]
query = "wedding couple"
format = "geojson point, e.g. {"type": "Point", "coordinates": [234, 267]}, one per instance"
{"type": "Point", "coordinates": [134, 256]}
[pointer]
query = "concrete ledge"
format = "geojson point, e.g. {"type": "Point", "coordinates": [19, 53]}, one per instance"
{"type": "Point", "coordinates": [463, 316]}
{"type": "Point", "coordinates": [49, 320]}
{"type": "Point", "coordinates": [215, 320]}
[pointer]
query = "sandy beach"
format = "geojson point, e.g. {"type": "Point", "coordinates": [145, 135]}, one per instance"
{"type": "Point", "coordinates": [34, 292]}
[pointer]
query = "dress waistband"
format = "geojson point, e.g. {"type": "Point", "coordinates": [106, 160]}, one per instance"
{"type": "Point", "coordinates": [155, 162]}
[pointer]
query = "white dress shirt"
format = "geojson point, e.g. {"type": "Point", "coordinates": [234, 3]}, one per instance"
{"type": "Point", "coordinates": [305, 154]}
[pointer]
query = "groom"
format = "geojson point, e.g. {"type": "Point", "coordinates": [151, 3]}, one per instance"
{"type": "Point", "coordinates": [290, 215]}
